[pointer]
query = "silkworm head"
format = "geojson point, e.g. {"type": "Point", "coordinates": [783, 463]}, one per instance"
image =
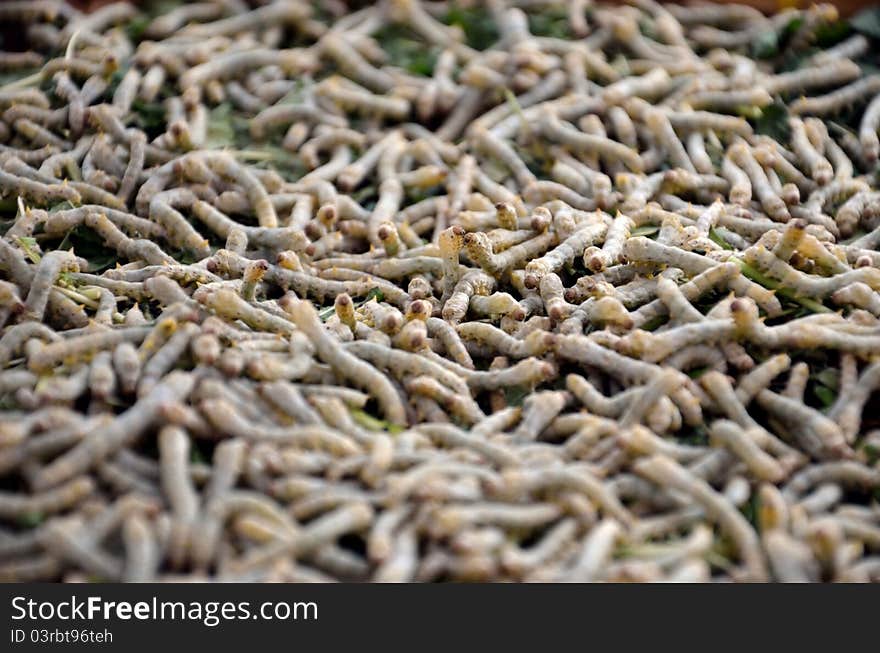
{"type": "Point", "coordinates": [791, 194]}
{"type": "Point", "coordinates": [289, 261]}
{"type": "Point", "coordinates": [478, 245]}
{"type": "Point", "coordinates": [744, 315]}
{"type": "Point", "coordinates": [451, 241]}
{"type": "Point", "coordinates": [327, 215]}
{"type": "Point", "coordinates": [418, 310]}
{"type": "Point", "coordinates": [231, 362]}
{"type": "Point", "coordinates": [636, 343]}
{"type": "Point", "coordinates": [540, 219]}
{"type": "Point", "coordinates": [506, 215]}
{"type": "Point", "coordinates": [256, 270]}
{"type": "Point", "coordinates": [540, 341]}
{"type": "Point", "coordinates": [419, 288]}
{"type": "Point", "coordinates": [825, 536]}
{"type": "Point", "coordinates": [531, 281]}
{"type": "Point", "coordinates": [206, 349]}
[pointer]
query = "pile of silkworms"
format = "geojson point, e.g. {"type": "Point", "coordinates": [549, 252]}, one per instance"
{"type": "Point", "coordinates": [282, 300]}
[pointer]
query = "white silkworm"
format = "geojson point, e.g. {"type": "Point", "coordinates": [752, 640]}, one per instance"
{"type": "Point", "coordinates": [51, 265]}
{"type": "Point", "coordinates": [345, 327]}
{"type": "Point", "coordinates": [125, 428]}
{"type": "Point", "coordinates": [358, 372]}
{"type": "Point", "coordinates": [834, 72]}
{"type": "Point", "coordinates": [868, 129]}
{"type": "Point", "coordinates": [556, 130]}
{"type": "Point", "coordinates": [227, 167]}
{"type": "Point", "coordinates": [837, 100]}
{"type": "Point", "coordinates": [770, 200]}
{"type": "Point", "coordinates": [664, 471]}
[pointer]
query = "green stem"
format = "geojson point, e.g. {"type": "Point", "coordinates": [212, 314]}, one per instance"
{"type": "Point", "coordinates": [24, 82]}
{"type": "Point", "coordinates": [517, 109]}
{"type": "Point", "coordinates": [760, 278]}
{"type": "Point", "coordinates": [373, 423]}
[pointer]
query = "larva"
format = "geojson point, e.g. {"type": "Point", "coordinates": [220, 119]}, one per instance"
{"type": "Point", "coordinates": [555, 129]}
{"type": "Point", "coordinates": [728, 101]}
{"type": "Point", "coordinates": [868, 129]}
{"type": "Point", "coordinates": [770, 200]}
{"type": "Point", "coordinates": [360, 373]}
{"type": "Point", "coordinates": [837, 100]}
{"type": "Point", "coordinates": [662, 470]}
{"type": "Point", "coordinates": [835, 72]}
{"type": "Point", "coordinates": [51, 265]}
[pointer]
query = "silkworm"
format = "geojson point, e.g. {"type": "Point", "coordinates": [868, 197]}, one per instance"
{"type": "Point", "coordinates": [572, 247]}
{"type": "Point", "coordinates": [702, 121]}
{"type": "Point", "coordinates": [174, 452]}
{"type": "Point", "coordinates": [227, 167]}
{"type": "Point", "coordinates": [271, 295]}
{"type": "Point", "coordinates": [729, 100]}
{"type": "Point", "coordinates": [354, 97]}
{"type": "Point", "coordinates": [555, 129]}
{"type": "Point", "coordinates": [744, 445]}
{"type": "Point", "coordinates": [51, 265]}
{"type": "Point", "coordinates": [401, 362]}
{"type": "Point", "coordinates": [454, 519]}
{"type": "Point", "coordinates": [661, 128]}
{"type": "Point", "coordinates": [808, 284]}
{"type": "Point", "coordinates": [114, 435]}
{"type": "Point", "coordinates": [846, 473]}
{"type": "Point", "coordinates": [835, 101]}
{"type": "Point", "coordinates": [663, 470]}
{"type": "Point", "coordinates": [834, 72]}
{"type": "Point", "coordinates": [850, 48]}
{"type": "Point", "coordinates": [48, 502]}
{"type": "Point", "coordinates": [39, 135]}
{"type": "Point", "coordinates": [358, 372]}
{"type": "Point", "coordinates": [597, 550]}
{"type": "Point", "coordinates": [66, 540]}
{"type": "Point", "coordinates": [770, 200]}
{"type": "Point", "coordinates": [868, 129]}
{"type": "Point", "coordinates": [552, 544]}
{"type": "Point", "coordinates": [644, 249]}
{"type": "Point", "coordinates": [598, 259]}
{"type": "Point", "coordinates": [740, 183]}
{"type": "Point", "coordinates": [42, 193]}
{"type": "Point", "coordinates": [142, 559]}
{"type": "Point", "coordinates": [165, 358]}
